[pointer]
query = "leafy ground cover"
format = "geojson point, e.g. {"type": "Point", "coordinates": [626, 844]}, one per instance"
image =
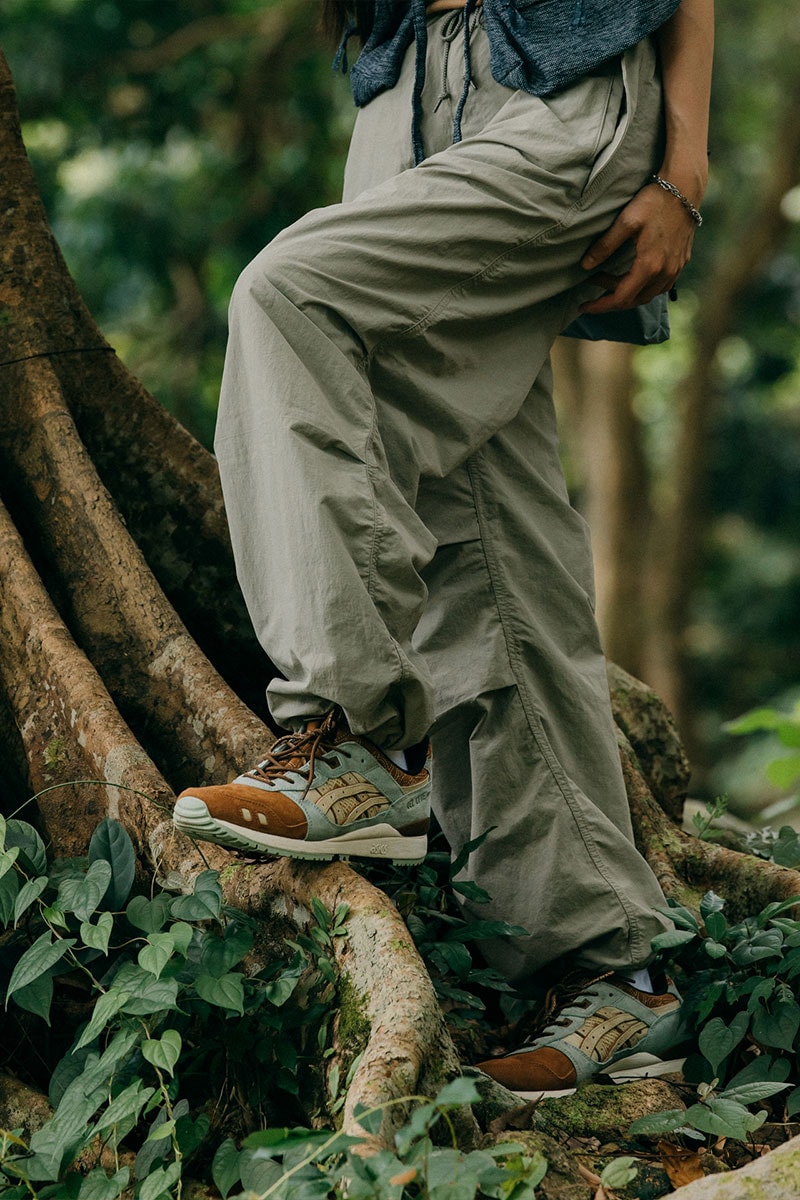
{"type": "Point", "coordinates": [169, 1050]}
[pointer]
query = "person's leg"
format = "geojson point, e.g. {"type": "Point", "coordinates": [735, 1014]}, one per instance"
{"type": "Point", "coordinates": [524, 738]}
{"type": "Point", "coordinates": [524, 741]}
{"type": "Point", "coordinates": [384, 341]}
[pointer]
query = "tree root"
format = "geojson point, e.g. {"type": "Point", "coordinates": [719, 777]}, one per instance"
{"type": "Point", "coordinates": [773, 1177]}
{"type": "Point", "coordinates": [162, 682]}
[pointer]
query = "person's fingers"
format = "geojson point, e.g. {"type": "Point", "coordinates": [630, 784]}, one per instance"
{"type": "Point", "coordinates": [619, 233]}
{"type": "Point", "coordinates": [627, 291]}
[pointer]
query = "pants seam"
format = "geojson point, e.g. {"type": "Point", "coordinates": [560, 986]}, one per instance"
{"type": "Point", "coordinates": [378, 529]}
{"type": "Point", "coordinates": [534, 723]}
{"type": "Point", "coordinates": [419, 326]}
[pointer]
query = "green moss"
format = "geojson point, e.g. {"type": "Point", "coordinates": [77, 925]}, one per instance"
{"type": "Point", "coordinates": [354, 1026]}
{"type": "Point", "coordinates": [54, 753]}
{"type": "Point", "coordinates": [228, 873]}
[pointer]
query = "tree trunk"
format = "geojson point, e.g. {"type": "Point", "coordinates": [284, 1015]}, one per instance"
{"type": "Point", "coordinates": [595, 383]}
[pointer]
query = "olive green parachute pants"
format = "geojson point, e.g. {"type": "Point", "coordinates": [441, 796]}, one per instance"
{"type": "Point", "coordinates": [389, 460]}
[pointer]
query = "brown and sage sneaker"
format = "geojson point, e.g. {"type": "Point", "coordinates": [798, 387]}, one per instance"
{"type": "Point", "coordinates": [321, 792]}
{"type": "Point", "coordinates": [593, 1025]}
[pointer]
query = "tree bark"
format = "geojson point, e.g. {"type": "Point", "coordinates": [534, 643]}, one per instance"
{"type": "Point", "coordinates": [595, 384]}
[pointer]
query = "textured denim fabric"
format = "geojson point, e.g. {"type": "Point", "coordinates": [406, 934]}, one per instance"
{"type": "Point", "coordinates": [536, 45]}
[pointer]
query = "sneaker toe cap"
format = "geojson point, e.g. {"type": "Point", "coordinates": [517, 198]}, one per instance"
{"type": "Point", "coordinates": [544, 1069]}
{"type": "Point", "coordinates": [252, 808]}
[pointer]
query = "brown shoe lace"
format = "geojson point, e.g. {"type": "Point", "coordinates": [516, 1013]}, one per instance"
{"type": "Point", "coordinates": [297, 751]}
{"type": "Point", "coordinates": [566, 993]}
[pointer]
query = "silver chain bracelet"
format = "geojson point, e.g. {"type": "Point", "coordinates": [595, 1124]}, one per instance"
{"type": "Point", "coordinates": [678, 194]}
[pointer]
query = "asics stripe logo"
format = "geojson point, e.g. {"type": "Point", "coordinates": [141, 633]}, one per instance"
{"type": "Point", "coordinates": [606, 1032]}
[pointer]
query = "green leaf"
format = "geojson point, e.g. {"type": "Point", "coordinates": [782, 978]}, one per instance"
{"type": "Point", "coordinates": [129, 1103]}
{"type": "Point", "coordinates": [451, 957]}
{"type": "Point", "coordinates": [711, 903]}
{"type": "Point", "coordinates": [662, 1122]}
{"type": "Point", "coordinates": [162, 1131]}
{"type": "Point", "coordinates": [111, 843]}
{"type": "Point", "coordinates": [716, 925]}
{"type": "Point", "coordinates": [33, 857]}
{"type": "Point", "coordinates": [82, 894]}
{"type": "Point", "coordinates": [783, 772]}
{"type": "Point", "coordinates": [670, 938]}
{"type": "Point", "coordinates": [219, 954]}
{"type": "Point", "coordinates": [156, 954]}
{"type": "Point", "coordinates": [793, 1102]}
{"type": "Point", "coordinates": [762, 1069]}
{"type": "Point", "coordinates": [163, 1052]}
{"type": "Point", "coordinates": [106, 1008]}
{"type": "Point", "coordinates": [477, 930]}
{"type": "Point", "coordinates": [680, 916]}
{"type": "Point", "coordinates": [182, 935]}
{"type": "Point", "coordinates": [9, 890]}
{"type": "Point", "coordinates": [227, 992]}
{"type": "Point", "coordinates": [259, 1173]}
{"type": "Point", "coordinates": [97, 937]}
{"type": "Point", "coordinates": [460, 1090]}
{"type": "Point", "coordinates": [7, 859]}
{"type": "Point", "coordinates": [99, 1186]}
{"type": "Point", "coordinates": [786, 851]}
{"type": "Point", "coordinates": [54, 916]}
{"type": "Point", "coordinates": [778, 1027]}
{"type": "Point", "coordinates": [369, 1119]}
{"type": "Point", "coordinates": [619, 1172]}
{"type": "Point", "coordinates": [148, 915]}
{"type": "Point", "coordinates": [714, 949]}
{"type": "Point", "coordinates": [159, 1182]}
{"type": "Point", "coordinates": [717, 1040]}
{"type": "Point", "coordinates": [28, 893]}
{"type": "Point", "coordinates": [38, 958]}
{"type": "Point", "coordinates": [190, 1133]}
{"type": "Point", "coordinates": [36, 997]}
{"type": "Point", "coordinates": [225, 1167]}
{"type": "Point", "coordinates": [749, 1093]}
{"type": "Point", "coordinates": [725, 1118]}
{"type": "Point", "coordinates": [278, 991]}
{"type": "Point", "coordinates": [204, 904]}
{"type": "Point", "coordinates": [146, 994]}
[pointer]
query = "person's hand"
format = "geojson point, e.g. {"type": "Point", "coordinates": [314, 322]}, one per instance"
{"type": "Point", "coordinates": [662, 232]}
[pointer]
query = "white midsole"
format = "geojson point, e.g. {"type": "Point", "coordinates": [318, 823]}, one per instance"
{"type": "Point", "coordinates": [357, 841]}
{"type": "Point", "coordinates": [379, 841]}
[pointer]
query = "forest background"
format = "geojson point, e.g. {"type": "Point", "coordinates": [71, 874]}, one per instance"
{"type": "Point", "coordinates": [171, 141]}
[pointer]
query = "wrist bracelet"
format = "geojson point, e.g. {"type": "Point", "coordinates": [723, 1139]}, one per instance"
{"type": "Point", "coordinates": [678, 194]}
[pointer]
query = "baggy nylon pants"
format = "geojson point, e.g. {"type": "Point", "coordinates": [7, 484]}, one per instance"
{"type": "Point", "coordinates": [388, 454]}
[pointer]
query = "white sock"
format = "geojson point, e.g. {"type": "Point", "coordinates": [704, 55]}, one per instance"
{"type": "Point", "coordinates": [640, 979]}
{"type": "Point", "coordinates": [398, 757]}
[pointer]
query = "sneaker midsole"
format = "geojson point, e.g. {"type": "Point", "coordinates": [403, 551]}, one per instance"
{"type": "Point", "coordinates": [376, 841]}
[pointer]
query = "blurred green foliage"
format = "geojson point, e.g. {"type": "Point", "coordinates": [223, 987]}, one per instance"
{"type": "Point", "coordinates": [173, 140]}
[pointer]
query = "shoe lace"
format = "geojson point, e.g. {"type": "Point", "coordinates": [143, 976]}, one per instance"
{"type": "Point", "coordinates": [573, 991]}
{"type": "Point", "coordinates": [297, 753]}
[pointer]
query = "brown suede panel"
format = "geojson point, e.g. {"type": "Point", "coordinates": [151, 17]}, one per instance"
{"type": "Point", "coordinates": [648, 999]}
{"type": "Point", "coordinates": [545, 1069]}
{"type": "Point", "coordinates": [283, 817]}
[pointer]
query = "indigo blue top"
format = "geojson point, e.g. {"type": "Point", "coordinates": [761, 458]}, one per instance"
{"type": "Point", "coordinates": [537, 45]}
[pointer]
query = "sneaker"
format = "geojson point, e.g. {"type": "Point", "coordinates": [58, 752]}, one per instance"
{"type": "Point", "coordinates": [590, 1026]}
{"type": "Point", "coordinates": [318, 793]}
